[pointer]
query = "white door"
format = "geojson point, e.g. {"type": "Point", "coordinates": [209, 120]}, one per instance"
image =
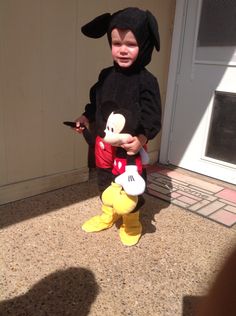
{"type": "Point", "coordinates": [203, 131]}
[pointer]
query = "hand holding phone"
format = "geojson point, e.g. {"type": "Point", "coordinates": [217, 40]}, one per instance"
{"type": "Point", "coordinates": [86, 133]}
{"type": "Point", "coordinates": [73, 124]}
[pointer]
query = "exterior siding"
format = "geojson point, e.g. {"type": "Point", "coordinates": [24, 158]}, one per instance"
{"type": "Point", "coordinates": [47, 67]}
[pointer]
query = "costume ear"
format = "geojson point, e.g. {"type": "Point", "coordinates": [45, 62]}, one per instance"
{"type": "Point", "coordinates": [97, 27]}
{"type": "Point", "coordinates": [153, 26]}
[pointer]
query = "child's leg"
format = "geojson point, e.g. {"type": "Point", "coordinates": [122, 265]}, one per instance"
{"type": "Point", "coordinates": [108, 216]}
{"type": "Point", "coordinates": [104, 155]}
{"type": "Point", "coordinates": [131, 229]}
{"type": "Point", "coordinates": [104, 163]}
{"type": "Point", "coordinates": [104, 178]}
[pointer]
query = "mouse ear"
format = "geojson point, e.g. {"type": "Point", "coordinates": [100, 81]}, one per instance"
{"type": "Point", "coordinates": [153, 26]}
{"type": "Point", "coordinates": [97, 27]}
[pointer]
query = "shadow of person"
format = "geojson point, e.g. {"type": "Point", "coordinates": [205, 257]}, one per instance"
{"type": "Point", "coordinates": [157, 196]}
{"type": "Point", "coordinates": [191, 304]}
{"type": "Point", "coordinates": [66, 292]}
{"type": "Point", "coordinates": [148, 212]}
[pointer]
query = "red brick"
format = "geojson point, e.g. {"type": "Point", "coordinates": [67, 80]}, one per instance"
{"type": "Point", "coordinates": [227, 194]}
{"type": "Point", "coordinates": [224, 217]}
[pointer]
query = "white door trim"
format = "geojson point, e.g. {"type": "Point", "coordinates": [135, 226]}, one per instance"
{"type": "Point", "coordinates": [175, 61]}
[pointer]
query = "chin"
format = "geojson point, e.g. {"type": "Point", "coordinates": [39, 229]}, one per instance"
{"type": "Point", "coordinates": [124, 65]}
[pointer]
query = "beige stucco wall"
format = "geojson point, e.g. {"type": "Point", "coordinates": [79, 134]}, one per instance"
{"type": "Point", "coordinates": [47, 68]}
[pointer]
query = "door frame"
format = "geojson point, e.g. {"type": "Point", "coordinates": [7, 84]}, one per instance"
{"type": "Point", "coordinates": [174, 69]}
{"type": "Point", "coordinates": [176, 62]}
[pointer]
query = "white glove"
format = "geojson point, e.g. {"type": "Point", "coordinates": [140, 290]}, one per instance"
{"type": "Point", "coordinates": [131, 181]}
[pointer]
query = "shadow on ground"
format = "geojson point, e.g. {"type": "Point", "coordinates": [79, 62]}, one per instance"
{"type": "Point", "coordinates": [66, 292]}
{"type": "Point", "coordinates": [148, 211]}
{"type": "Point", "coordinates": [190, 305]}
{"type": "Point", "coordinates": [44, 203]}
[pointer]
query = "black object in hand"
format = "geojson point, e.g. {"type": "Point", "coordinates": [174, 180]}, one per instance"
{"type": "Point", "coordinates": [86, 133]}
{"type": "Point", "coordinates": [72, 124]}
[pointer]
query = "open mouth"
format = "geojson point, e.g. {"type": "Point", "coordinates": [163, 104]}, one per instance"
{"type": "Point", "coordinates": [124, 60]}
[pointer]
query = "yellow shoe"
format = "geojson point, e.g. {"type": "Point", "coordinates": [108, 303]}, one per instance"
{"type": "Point", "coordinates": [101, 222]}
{"type": "Point", "coordinates": [124, 203]}
{"type": "Point", "coordinates": [131, 229]}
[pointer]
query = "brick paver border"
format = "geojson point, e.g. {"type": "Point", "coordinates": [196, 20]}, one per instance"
{"type": "Point", "coordinates": [209, 200]}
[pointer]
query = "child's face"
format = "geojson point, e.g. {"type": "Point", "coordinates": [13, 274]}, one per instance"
{"type": "Point", "coordinates": [124, 47]}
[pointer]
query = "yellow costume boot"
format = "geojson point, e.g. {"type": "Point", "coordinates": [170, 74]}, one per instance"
{"type": "Point", "coordinates": [108, 216]}
{"type": "Point", "coordinates": [101, 222]}
{"type": "Point", "coordinates": [131, 229]}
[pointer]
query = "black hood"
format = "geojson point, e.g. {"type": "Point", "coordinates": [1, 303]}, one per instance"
{"type": "Point", "coordinates": [142, 23]}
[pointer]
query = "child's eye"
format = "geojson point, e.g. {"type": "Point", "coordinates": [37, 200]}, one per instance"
{"type": "Point", "coordinates": [132, 44]}
{"type": "Point", "coordinates": [116, 43]}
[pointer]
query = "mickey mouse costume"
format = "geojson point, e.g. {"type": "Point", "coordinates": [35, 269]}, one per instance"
{"type": "Point", "coordinates": [133, 88]}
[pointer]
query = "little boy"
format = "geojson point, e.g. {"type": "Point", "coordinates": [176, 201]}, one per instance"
{"type": "Point", "coordinates": [132, 34]}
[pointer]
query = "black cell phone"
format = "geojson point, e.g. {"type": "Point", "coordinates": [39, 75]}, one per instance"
{"type": "Point", "coordinates": [87, 135]}
{"type": "Point", "coordinates": [71, 124]}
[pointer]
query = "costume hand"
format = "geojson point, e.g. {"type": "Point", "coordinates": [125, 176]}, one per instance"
{"type": "Point", "coordinates": [135, 144]}
{"type": "Point", "coordinates": [81, 120]}
{"type": "Point", "coordinates": [131, 181]}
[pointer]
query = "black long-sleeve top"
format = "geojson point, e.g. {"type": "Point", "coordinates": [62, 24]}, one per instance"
{"type": "Point", "coordinates": [137, 91]}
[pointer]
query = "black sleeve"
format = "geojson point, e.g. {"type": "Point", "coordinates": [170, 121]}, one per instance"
{"type": "Point", "coordinates": [90, 108]}
{"type": "Point", "coordinates": [150, 105]}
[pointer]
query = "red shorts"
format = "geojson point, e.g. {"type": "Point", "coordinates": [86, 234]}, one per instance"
{"type": "Point", "coordinates": [120, 163]}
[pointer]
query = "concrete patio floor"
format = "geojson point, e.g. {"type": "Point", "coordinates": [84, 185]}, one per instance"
{"type": "Point", "coordinates": [49, 266]}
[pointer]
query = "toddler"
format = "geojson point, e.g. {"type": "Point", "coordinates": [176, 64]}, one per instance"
{"type": "Point", "coordinates": [132, 35]}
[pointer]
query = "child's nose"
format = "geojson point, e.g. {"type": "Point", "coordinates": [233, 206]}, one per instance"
{"type": "Point", "coordinates": [123, 49]}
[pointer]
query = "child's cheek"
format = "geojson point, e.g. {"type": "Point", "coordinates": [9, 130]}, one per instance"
{"type": "Point", "coordinates": [113, 53]}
